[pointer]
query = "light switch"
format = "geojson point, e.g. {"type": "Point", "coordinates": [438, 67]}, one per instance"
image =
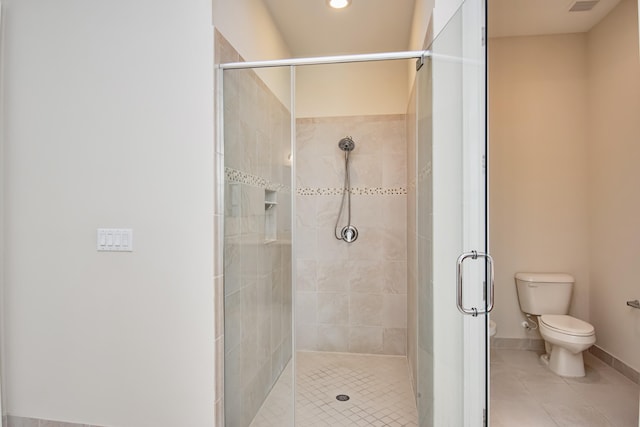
{"type": "Point", "coordinates": [115, 239]}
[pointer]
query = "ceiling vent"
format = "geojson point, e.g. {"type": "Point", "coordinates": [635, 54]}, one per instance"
{"type": "Point", "coordinates": [583, 5]}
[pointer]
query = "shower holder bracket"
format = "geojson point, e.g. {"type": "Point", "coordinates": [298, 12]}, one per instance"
{"type": "Point", "coordinates": [349, 234]}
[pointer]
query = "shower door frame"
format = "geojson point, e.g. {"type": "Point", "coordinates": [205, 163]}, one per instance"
{"type": "Point", "coordinates": [473, 373]}
{"type": "Point", "coordinates": [452, 345]}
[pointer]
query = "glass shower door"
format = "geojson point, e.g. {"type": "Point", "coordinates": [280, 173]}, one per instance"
{"type": "Point", "coordinates": [258, 328]}
{"type": "Point", "coordinates": [451, 220]}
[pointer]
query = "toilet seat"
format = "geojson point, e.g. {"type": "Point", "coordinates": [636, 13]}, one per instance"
{"type": "Point", "coordinates": [567, 325]}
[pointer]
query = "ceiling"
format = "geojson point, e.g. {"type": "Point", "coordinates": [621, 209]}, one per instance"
{"type": "Point", "coordinates": [311, 28]}
{"type": "Point", "coordinates": [536, 17]}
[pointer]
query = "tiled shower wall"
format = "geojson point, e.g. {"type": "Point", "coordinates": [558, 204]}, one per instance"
{"type": "Point", "coordinates": [352, 297]}
{"type": "Point", "coordinates": [424, 258]}
{"type": "Point", "coordinates": [257, 267]}
{"type": "Point", "coordinates": [412, 242]}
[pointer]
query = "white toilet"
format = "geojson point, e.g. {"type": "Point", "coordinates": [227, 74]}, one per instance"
{"type": "Point", "coordinates": [547, 296]}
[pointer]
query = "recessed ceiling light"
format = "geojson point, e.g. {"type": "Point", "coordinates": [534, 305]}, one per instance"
{"type": "Point", "coordinates": [338, 4]}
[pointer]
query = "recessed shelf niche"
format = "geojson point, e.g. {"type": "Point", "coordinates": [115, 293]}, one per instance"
{"type": "Point", "coordinates": [270, 218]}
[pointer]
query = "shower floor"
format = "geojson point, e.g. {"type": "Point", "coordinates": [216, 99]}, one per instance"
{"type": "Point", "coordinates": [378, 388]}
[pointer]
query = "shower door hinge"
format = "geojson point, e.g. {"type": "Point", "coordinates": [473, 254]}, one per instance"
{"type": "Point", "coordinates": [484, 36]}
{"type": "Point", "coordinates": [484, 417]}
{"type": "Point", "coordinates": [484, 163]}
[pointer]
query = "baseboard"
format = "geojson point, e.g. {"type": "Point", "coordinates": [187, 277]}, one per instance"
{"type": "Point", "coordinates": [538, 345]}
{"type": "Point", "coordinates": [517, 343]}
{"type": "Point", "coordinates": [615, 363]}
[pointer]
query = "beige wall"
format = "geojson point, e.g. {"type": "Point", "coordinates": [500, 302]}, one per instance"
{"type": "Point", "coordinates": [370, 88]}
{"type": "Point", "coordinates": [248, 26]}
{"type": "Point", "coordinates": [538, 167]}
{"type": "Point", "coordinates": [250, 29]}
{"type": "Point", "coordinates": [614, 199]}
{"type": "Point", "coordinates": [564, 133]}
{"type": "Point", "coordinates": [359, 86]}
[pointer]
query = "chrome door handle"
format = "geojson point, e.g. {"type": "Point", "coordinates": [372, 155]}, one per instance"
{"type": "Point", "coordinates": [473, 310]}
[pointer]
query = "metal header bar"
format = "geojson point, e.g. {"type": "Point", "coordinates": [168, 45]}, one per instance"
{"type": "Point", "coordinates": [367, 57]}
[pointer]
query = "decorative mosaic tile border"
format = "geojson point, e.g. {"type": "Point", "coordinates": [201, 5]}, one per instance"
{"type": "Point", "coordinates": [357, 191]}
{"type": "Point", "coordinates": [232, 175]}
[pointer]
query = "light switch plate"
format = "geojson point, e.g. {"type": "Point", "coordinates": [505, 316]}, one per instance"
{"type": "Point", "coordinates": [115, 239]}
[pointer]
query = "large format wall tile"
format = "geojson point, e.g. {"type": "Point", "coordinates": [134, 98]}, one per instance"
{"type": "Point", "coordinates": [352, 297]}
{"type": "Point", "coordinates": [257, 259]}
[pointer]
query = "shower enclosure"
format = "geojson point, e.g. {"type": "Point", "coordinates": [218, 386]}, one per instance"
{"type": "Point", "coordinates": [257, 244]}
{"type": "Point", "coordinates": [266, 242]}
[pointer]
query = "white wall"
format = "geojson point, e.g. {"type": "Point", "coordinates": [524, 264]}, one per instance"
{"type": "Point", "coordinates": [428, 12]}
{"type": "Point", "coordinates": [108, 123]}
{"type": "Point", "coordinates": [440, 10]}
{"type": "Point", "coordinates": [421, 15]}
{"type": "Point", "coordinates": [2, 246]}
{"type": "Point", "coordinates": [538, 162]}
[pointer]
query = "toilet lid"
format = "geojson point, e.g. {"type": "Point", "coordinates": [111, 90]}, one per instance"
{"type": "Point", "coordinates": [567, 324]}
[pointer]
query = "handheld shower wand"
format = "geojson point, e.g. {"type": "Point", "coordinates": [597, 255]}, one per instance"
{"type": "Point", "coordinates": [349, 233]}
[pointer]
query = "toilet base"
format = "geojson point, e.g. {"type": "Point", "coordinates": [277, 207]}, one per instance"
{"type": "Point", "coordinates": [564, 363]}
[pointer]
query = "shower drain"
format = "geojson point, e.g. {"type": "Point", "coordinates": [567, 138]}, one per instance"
{"type": "Point", "coordinates": [342, 397]}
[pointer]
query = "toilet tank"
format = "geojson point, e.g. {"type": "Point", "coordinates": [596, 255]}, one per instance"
{"type": "Point", "coordinates": [544, 293]}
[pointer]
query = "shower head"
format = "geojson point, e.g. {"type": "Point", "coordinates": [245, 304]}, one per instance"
{"type": "Point", "coordinates": [347, 144]}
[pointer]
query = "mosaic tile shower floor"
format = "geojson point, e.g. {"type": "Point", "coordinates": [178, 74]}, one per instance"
{"type": "Point", "coordinates": [378, 387]}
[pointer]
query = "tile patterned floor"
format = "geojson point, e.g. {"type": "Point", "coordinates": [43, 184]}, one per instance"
{"type": "Point", "coordinates": [525, 393]}
{"type": "Point", "coordinates": [378, 387]}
